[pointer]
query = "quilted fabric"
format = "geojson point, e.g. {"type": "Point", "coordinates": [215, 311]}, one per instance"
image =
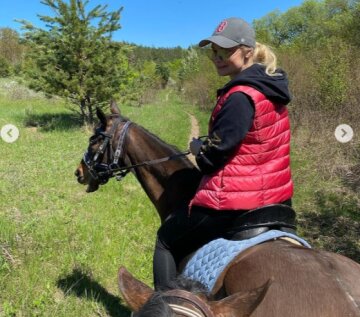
{"type": "Point", "coordinates": [258, 172]}
{"type": "Point", "coordinates": [208, 262]}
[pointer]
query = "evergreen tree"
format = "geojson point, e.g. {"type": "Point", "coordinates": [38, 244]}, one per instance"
{"type": "Point", "coordinates": [74, 56]}
{"type": "Point", "coordinates": [164, 73]}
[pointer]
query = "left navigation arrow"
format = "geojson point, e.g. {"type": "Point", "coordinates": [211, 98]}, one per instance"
{"type": "Point", "coordinates": [9, 133]}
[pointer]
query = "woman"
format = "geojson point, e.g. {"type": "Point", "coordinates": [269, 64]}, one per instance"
{"type": "Point", "coordinates": [245, 158]}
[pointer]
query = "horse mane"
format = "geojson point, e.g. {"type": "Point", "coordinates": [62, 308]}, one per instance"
{"type": "Point", "coordinates": [168, 147]}
{"type": "Point", "coordinates": [186, 284]}
{"type": "Point", "coordinates": [158, 306]}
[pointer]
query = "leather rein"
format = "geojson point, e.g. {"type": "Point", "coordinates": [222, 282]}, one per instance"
{"type": "Point", "coordinates": [104, 171]}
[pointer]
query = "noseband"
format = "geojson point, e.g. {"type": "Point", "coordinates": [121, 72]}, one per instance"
{"type": "Point", "coordinates": [191, 298]}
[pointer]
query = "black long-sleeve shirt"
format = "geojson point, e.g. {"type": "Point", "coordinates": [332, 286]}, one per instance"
{"type": "Point", "coordinates": [236, 116]}
{"type": "Point", "coordinates": [226, 133]}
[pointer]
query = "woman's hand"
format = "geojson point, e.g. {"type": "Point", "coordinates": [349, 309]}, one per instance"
{"type": "Point", "coordinates": [195, 146]}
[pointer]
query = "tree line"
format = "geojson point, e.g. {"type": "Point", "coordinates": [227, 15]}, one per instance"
{"type": "Point", "coordinates": [75, 57]}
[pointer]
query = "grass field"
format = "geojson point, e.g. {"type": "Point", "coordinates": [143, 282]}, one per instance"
{"type": "Point", "coordinates": [60, 248]}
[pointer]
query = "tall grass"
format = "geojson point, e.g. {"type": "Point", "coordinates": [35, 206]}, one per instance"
{"type": "Point", "coordinates": [325, 85]}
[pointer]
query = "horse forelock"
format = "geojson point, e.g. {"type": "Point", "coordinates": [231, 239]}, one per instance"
{"type": "Point", "coordinates": [158, 304]}
{"type": "Point", "coordinates": [155, 307]}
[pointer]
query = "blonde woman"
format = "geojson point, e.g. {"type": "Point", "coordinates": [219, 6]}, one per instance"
{"type": "Point", "coordinates": [245, 158]}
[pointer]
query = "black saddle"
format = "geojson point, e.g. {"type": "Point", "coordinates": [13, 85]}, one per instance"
{"type": "Point", "coordinates": [253, 222]}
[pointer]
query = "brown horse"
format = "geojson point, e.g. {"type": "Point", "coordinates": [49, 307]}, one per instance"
{"type": "Point", "coordinates": [168, 185]}
{"type": "Point", "coordinates": [275, 278]}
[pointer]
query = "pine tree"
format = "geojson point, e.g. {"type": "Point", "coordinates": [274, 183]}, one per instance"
{"type": "Point", "coordinates": [74, 57]}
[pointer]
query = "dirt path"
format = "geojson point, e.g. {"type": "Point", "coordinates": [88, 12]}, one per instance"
{"type": "Point", "coordinates": [194, 133]}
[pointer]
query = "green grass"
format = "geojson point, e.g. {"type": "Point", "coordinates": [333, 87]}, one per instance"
{"type": "Point", "coordinates": [60, 248]}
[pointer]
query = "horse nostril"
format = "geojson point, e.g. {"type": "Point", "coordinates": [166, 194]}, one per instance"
{"type": "Point", "coordinates": [77, 173]}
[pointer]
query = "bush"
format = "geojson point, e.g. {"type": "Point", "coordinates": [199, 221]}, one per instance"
{"type": "Point", "coordinates": [5, 67]}
{"type": "Point", "coordinates": [198, 80]}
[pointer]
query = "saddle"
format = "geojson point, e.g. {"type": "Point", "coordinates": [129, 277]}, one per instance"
{"type": "Point", "coordinates": [209, 264]}
{"type": "Point", "coordinates": [256, 221]}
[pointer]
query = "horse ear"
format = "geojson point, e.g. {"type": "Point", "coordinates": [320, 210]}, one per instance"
{"type": "Point", "coordinates": [241, 303]}
{"type": "Point", "coordinates": [100, 114]}
{"type": "Point", "coordinates": [114, 107]}
{"type": "Point", "coordinates": [134, 292]}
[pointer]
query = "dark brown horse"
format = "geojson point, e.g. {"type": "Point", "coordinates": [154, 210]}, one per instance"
{"type": "Point", "coordinates": [273, 279]}
{"type": "Point", "coordinates": [169, 184]}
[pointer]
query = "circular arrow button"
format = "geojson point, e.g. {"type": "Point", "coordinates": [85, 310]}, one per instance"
{"type": "Point", "coordinates": [344, 133]}
{"type": "Point", "coordinates": [9, 133]}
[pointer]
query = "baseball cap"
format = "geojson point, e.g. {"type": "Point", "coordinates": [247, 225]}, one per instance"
{"type": "Point", "coordinates": [231, 32]}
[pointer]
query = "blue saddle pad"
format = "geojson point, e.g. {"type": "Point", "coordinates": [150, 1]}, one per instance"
{"type": "Point", "coordinates": [209, 261]}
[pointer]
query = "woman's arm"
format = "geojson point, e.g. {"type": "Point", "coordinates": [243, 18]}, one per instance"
{"type": "Point", "coordinates": [230, 127]}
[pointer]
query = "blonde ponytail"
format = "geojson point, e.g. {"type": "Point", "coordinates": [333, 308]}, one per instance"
{"type": "Point", "coordinates": [264, 55]}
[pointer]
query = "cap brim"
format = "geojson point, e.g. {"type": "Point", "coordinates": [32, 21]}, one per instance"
{"type": "Point", "coordinates": [219, 40]}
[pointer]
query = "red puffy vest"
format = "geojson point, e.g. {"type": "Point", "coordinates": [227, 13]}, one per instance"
{"type": "Point", "coordinates": [258, 173]}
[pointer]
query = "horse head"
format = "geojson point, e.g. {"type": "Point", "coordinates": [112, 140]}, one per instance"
{"type": "Point", "coordinates": [143, 300]}
{"type": "Point", "coordinates": [95, 167]}
{"type": "Point", "coordinates": [119, 146]}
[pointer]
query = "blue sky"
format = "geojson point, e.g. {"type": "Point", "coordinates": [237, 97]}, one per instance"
{"type": "Point", "coordinates": [158, 23]}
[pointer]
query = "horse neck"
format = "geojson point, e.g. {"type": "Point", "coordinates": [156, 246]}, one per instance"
{"type": "Point", "coordinates": [169, 185]}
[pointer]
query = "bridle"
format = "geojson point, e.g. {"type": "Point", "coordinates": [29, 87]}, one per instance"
{"type": "Point", "coordinates": [202, 309]}
{"type": "Point", "coordinates": [104, 171]}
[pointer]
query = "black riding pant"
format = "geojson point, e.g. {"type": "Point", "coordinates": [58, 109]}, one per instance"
{"type": "Point", "coordinates": [181, 234]}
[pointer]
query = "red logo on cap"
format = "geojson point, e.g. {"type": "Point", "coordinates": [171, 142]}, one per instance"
{"type": "Point", "coordinates": [221, 26]}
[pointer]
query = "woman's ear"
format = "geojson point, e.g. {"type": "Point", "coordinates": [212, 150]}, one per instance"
{"type": "Point", "coordinates": [248, 52]}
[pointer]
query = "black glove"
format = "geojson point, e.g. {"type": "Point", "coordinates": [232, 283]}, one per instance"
{"type": "Point", "coordinates": [195, 146]}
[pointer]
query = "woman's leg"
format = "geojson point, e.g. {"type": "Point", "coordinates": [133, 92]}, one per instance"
{"type": "Point", "coordinates": [182, 234]}
{"type": "Point", "coordinates": [171, 245]}
{"type": "Point", "coordinates": [164, 266]}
